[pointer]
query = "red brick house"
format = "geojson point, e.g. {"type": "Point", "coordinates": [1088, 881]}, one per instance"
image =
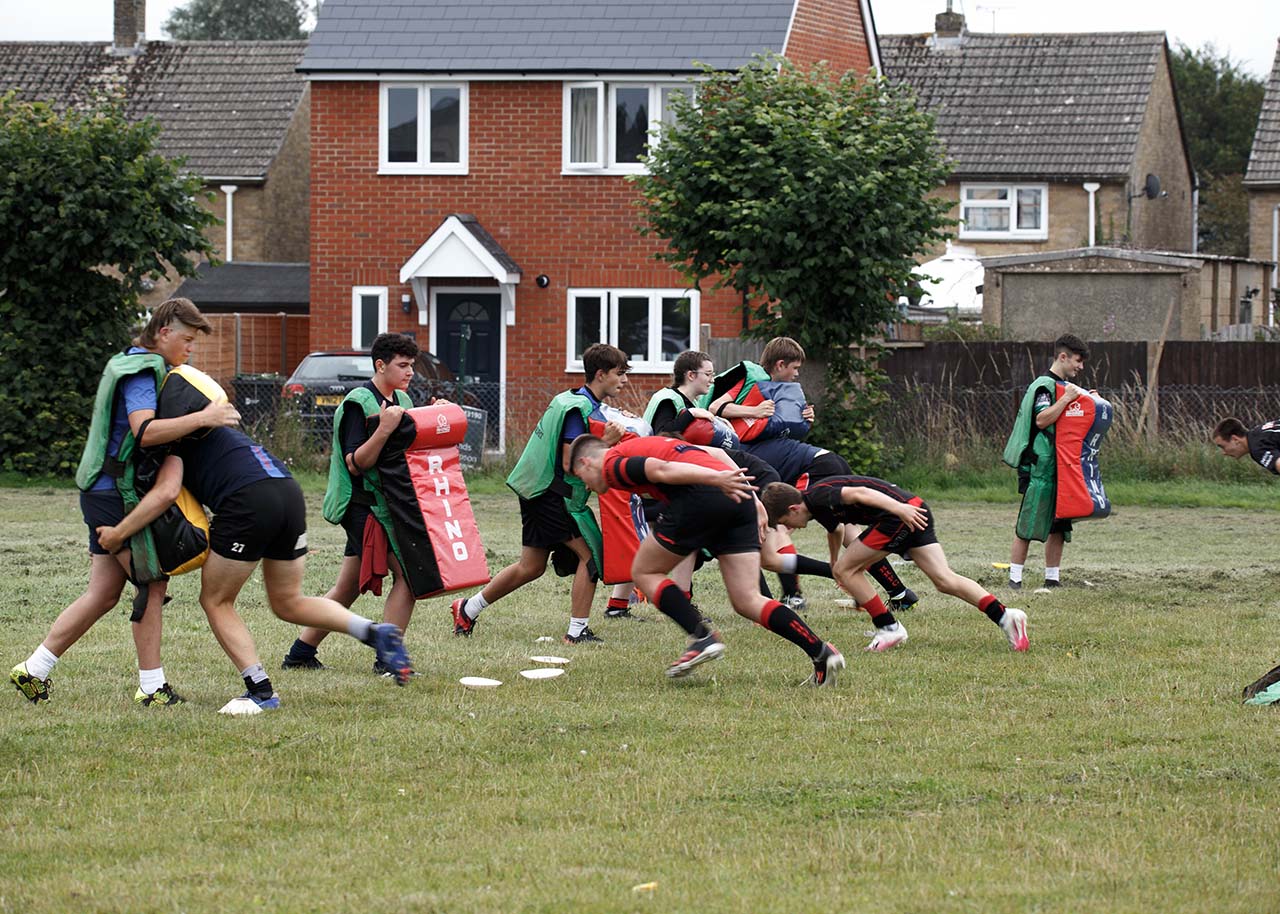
{"type": "Point", "coordinates": [468, 163]}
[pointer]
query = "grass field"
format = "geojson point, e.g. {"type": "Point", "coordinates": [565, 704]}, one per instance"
{"type": "Point", "coordinates": [1110, 769]}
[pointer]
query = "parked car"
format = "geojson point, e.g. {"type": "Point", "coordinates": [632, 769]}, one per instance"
{"type": "Point", "coordinates": [322, 379]}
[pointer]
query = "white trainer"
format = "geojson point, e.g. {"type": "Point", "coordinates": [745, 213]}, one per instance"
{"type": "Point", "coordinates": [887, 637]}
{"type": "Point", "coordinates": [1014, 625]}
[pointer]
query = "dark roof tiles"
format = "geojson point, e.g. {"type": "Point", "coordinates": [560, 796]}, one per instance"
{"type": "Point", "coordinates": [536, 35]}
{"type": "Point", "coordinates": [1063, 106]}
{"type": "Point", "coordinates": [224, 105]}
{"type": "Point", "coordinates": [1264, 160]}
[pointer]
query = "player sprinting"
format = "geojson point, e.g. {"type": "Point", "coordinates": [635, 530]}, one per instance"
{"type": "Point", "coordinates": [896, 521]}
{"type": "Point", "coordinates": [707, 504]}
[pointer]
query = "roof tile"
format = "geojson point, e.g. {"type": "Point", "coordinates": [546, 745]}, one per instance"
{"type": "Point", "coordinates": [1264, 159]}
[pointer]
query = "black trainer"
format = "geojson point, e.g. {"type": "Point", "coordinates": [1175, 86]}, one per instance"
{"type": "Point", "coordinates": [906, 601]}
{"type": "Point", "coordinates": [587, 636]}
{"type": "Point", "coordinates": [618, 612]}
{"type": "Point", "coordinates": [291, 662]}
{"type": "Point", "coordinates": [1050, 584]}
{"type": "Point", "coordinates": [1263, 683]}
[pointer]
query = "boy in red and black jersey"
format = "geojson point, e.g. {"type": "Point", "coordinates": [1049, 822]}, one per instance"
{"type": "Point", "coordinates": [707, 503]}
{"type": "Point", "coordinates": [896, 521]}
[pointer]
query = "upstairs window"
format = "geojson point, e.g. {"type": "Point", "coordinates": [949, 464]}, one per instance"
{"type": "Point", "coordinates": [608, 126]}
{"type": "Point", "coordinates": [423, 128]}
{"type": "Point", "coordinates": [1004, 212]}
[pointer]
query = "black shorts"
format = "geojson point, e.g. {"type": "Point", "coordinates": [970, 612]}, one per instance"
{"type": "Point", "coordinates": [703, 517]}
{"type": "Point", "coordinates": [103, 508]}
{"type": "Point", "coordinates": [264, 520]}
{"type": "Point", "coordinates": [545, 522]}
{"type": "Point", "coordinates": [892, 535]}
{"type": "Point", "coordinates": [353, 521]}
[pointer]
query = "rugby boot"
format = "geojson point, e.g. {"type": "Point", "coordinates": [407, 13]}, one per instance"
{"type": "Point", "coordinates": [33, 690]}
{"type": "Point", "coordinates": [1014, 625]}
{"type": "Point", "coordinates": [1265, 690]}
{"type": "Point", "coordinates": [700, 651]}
{"type": "Point", "coordinates": [291, 662]}
{"type": "Point", "coordinates": [587, 637]}
{"type": "Point", "coordinates": [906, 601]}
{"type": "Point", "coordinates": [884, 638]}
{"type": "Point", "coordinates": [829, 663]}
{"type": "Point", "coordinates": [165, 695]}
{"type": "Point", "coordinates": [462, 623]}
{"type": "Point", "coordinates": [391, 653]}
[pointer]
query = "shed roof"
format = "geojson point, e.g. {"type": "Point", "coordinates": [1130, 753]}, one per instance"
{"type": "Point", "coordinates": [1067, 106]}
{"type": "Point", "coordinates": [224, 105]}
{"type": "Point", "coordinates": [250, 287]}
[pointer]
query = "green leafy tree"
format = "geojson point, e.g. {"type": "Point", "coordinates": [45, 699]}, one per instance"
{"type": "Point", "coordinates": [1220, 105]}
{"type": "Point", "coordinates": [809, 195]}
{"type": "Point", "coordinates": [88, 211]}
{"type": "Point", "coordinates": [238, 20]}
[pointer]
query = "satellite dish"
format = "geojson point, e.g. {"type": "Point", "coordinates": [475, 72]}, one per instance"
{"type": "Point", "coordinates": [1152, 187]}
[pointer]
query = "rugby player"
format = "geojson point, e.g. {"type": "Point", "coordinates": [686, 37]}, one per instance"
{"type": "Point", "coordinates": [708, 504]}
{"type": "Point", "coordinates": [896, 521]}
{"type": "Point", "coordinates": [1262, 444]}
{"type": "Point", "coordinates": [538, 479]}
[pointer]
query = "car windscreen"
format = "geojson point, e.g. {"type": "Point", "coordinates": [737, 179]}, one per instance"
{"type": "Point", "coordinates": [334, 366]}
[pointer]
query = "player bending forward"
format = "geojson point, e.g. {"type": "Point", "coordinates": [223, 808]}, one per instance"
{"type": "Point", "coordinates": [896, 521]}
{"type": "Point", "coordinates": [707, 503]}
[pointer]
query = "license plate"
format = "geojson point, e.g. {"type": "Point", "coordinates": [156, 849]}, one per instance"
{"type": "Point", "coordinates": [328, 399]}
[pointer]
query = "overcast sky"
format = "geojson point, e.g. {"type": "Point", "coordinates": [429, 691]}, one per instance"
{"type": "Point", "coordinates": [1244, 29]}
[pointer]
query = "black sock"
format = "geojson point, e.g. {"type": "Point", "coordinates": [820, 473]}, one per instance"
{"type": "Point", "coordinates": [300, 650]}
{"type": "Point", "coordinates": [812, 567]}
{"type": "Point", "coordinates": [992, 607]}
{"type": "Point", "coordinates": [883, 620]}
{"type": "Point", "coordinates": [790, 584]}
{"type": "Point", "coordinates": [786, 624]}
{"type": "Point", "coordinates": [887, 578]}
{"type": "Point", "coordinates": [261, 689]}
{"type": "Point", "coordinates": [764, 587]}
{"type": "Point", "coordinates": [674, 604]}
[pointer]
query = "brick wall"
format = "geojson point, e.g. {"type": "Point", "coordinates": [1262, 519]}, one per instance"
{"type": "Point", "coordinates": [578, 230]}
{"type": "Point", "coordinates": [830, 30]}
{"type": "Point", "coordinates": [1262, 201]}
{"type": "Point", "coordinates": [286, 222]}
{"type": "Point", "coordinates": [1163, 224]}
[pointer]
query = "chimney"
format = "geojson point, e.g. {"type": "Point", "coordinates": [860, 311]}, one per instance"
{"type": "Point", "coordinates": [946, 25]}
{"type": "Point", "coordinates": [131, 26]}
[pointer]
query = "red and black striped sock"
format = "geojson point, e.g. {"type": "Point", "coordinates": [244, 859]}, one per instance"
{"type": "Point", "coordinates": [671, 600]}
{"type": "Point", "coordinates": [992, 607]}
{"type": "Point", "coordinates": [884, 575]}
{"type": "Point", "coordinates": [617, 603]}
{"type": "Point", "coordinates": [786, 624]}
{"type": "Point", "coordinates": [879, 613]}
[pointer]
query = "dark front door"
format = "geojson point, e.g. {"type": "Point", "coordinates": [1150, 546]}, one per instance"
{"type": "Point", "coordinates": [469, 338]}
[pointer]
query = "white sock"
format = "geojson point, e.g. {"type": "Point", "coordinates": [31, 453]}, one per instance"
{"type": "Point", "coordinates": [788, 561]}
{"type": "Point", "coordinates": [150, 680]}
{"type": "Point", "coordinates": [622, 591]}
{"type": "Point", "coordinates": [41, 663]}
{"type": "Point", "coordinates": [576, 626]}
{"type": "Point", "coordinates": [254, 673]}
{"type": "Point", "coordinates": [1051, 574]}
{"type": "Point", "coordinates": [359, 627]}
{"type": "Point", "coordinates": [472, 607]}
{"type": "Point", "coordinates": [1015, 573]}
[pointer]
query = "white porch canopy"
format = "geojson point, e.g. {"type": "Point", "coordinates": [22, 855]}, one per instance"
{"type": "Point", "coordinates": [461, 248]}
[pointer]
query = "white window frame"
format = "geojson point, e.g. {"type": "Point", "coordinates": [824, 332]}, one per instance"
{"type": "Point", "coordinates": [609, 324]}
{"type": "Point", "coordinates": [358, 292]}
{"type": "Point", "coordinates": [424, 166]}
{"type": "Point", "coordinates": [606, 126]}
{"type": "Point", "coordinates": [1014, 233]}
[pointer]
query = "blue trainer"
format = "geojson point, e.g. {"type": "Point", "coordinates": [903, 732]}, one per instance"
{"type": "Point", "coordinates": [391, 653]}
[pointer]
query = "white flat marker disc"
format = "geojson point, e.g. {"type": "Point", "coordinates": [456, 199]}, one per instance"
{"type": "Point", "coordinates": [479, 682]}
{"type": "Point", "coordinates": [546, 638]}
{"type": "Point", "coordinates": [545, 672]}
{"type": "Point", "coordinates": [546, 658]}
{"type": "Point", "coordinates": [240, 707]}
